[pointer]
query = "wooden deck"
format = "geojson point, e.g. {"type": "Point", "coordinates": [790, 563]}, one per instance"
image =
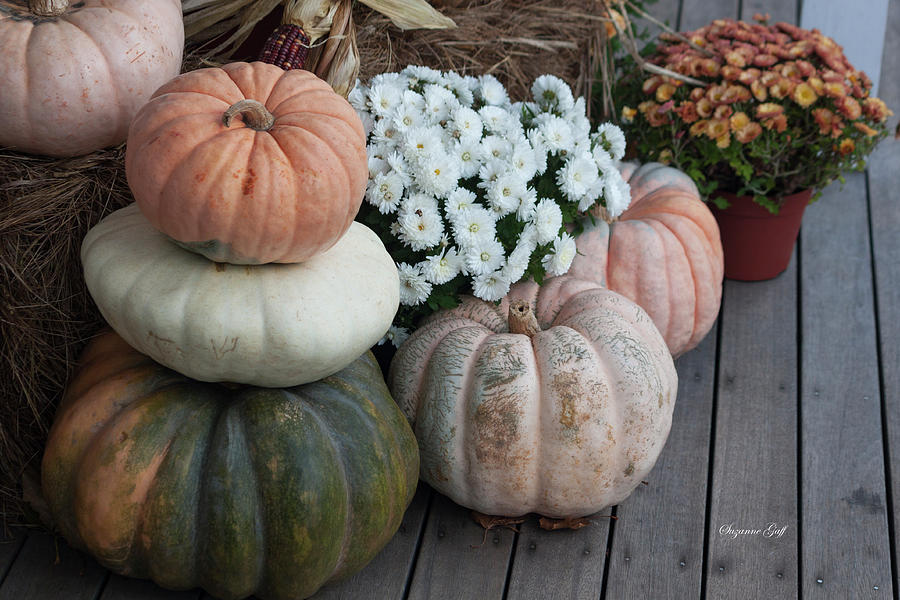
{"type": "Point", "coordinates": [787, 419]}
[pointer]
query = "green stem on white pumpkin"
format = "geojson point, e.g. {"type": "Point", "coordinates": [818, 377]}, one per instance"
{"type": "Point", "coordinates": [48, 8]}
{"type": "Point", "coordinates": [521, 319]}
{"type": "Point", "coordinates": [255, 115]}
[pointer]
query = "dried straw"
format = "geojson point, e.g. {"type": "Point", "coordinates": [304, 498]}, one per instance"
{"type": "Point", "coordinates": [46, 315]}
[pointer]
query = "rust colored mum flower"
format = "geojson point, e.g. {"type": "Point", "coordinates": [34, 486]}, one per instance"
{"type": "Point", "coordinates": [778, 123]}
{"type": "Point", "coordinates": [628, 114]}
{"type": "Point", "coordinates": [723, 112]}
{"type": "Point", "coordinates": [716, 93]}
{"type": "Point", "coordinates": [817, 85]}
{"type": "Point", "coordinates": [665, 92]}
{"type": "Point", "coordinates": [764, 60]}
{"type": "Point", "coordinates": [769, 78]}
{"type": "Point", "coordinates": [876, 109]}
{"type": "Point", "coordinates": [698, 128]}
{"type": "Point", "coordinates": [731, 73]}
{"type": "Point", "coordinates": [784, 88]}
{"type": "Point", "coordinates": [716, 128]}
{"type": "Point", "coordinates": [651, 83]}
{"type": "Point", "coordinates": [748, 76]}
{"type": "Point", "coordinates": [736, 93]}
{"type": "Point", "coordinates": [824, 119]}
{"type": "Point", "coordinates": [665, 156]}
{"type": "Point", "coordinates": [759, 91]}
{"type": "Point", "coordinates": [769, 110]}
{"type": "Point", "coordinates": [647, 107]}
{"type": "Point", "coordinates": [865, 129]}
{"type": "Point", "coordinates": [748, 133]}
{"type": "Point", "coordinates": [688, 112]}
{"type": "Point", "coordinates": [738, 121]}
{"type": "Point", "coordinates": [736, 59]}
{"type": "Point", "coordinates": [835, 89]}
{"type": "Point", "coordinates": [848, 107]}
{"type": "Point", "coordinates": [705, 107]}
{"type": "Point", "coordinates": [658, 117]}
{"type": "Point", "coordinates": [804, 95]}
{"type": "Point", "coordinates": [697, 93]}
{"type": "Point", "coordinates": [846, 146]}
{"type": "Point", "coordinates": [724, 140]}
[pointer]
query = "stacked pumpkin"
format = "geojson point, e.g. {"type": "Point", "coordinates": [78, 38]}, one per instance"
{"type": "Point", "coordinates": [269, 457]}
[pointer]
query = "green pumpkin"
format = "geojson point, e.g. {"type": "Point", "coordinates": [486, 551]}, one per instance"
{"type": "Point", "coordinates": [239, 490]}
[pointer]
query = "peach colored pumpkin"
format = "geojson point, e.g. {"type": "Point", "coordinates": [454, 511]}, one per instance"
{"type": "Point", "coordinates": [664, 253]}
{"type": "Point", "coordinates": [560, 408]}
{"type": "Point", "coordinates": [248, 163]}
{"type": "Point", "coordinates": [73, 77]}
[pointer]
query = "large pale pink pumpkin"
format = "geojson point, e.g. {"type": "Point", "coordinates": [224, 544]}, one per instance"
{"type": "Point", "coordinates": [664, 253]}
{"type": "Point", "coordinates": [248, 163]}
{"type": "Point", "coordinates": [73, 76]}
{"type": "Point", "coordinates": [556, 401]}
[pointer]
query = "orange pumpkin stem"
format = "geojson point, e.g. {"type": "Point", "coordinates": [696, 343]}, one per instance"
{"type": "Point", "coordinates": [254, 114]}
{"type": "Point", "coordinates": [48, 8]}
{"type": "Point", "coordinates": [522, 319]}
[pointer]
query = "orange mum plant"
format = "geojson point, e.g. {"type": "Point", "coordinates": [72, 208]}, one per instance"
{"type": "Point", "coordinates": [764, 110]}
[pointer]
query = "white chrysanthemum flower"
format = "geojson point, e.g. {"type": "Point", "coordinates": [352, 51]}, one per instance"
{"type": "Point", "coordinates": [577, 176]}
{"type": "Point", "coordinates": [414, 288]}
{"type": "Point", "coordinates": [490, 286]}
{"type": "Point", "coordinates": [421, 228]}
{"type": "Point", "coordinates": [383, 98]}
{"type": "Point", "coordinates": [491, 91]}
{"type": "Point", "coordinates": [386, 133]}
{"type": "Point", "coordinates": [552, 93]}
{"type": "Point", "coordinates": [406, 117]}
{"type": "Point", "coordinates": [577, 118]}
{"type": "Point", "coordinates": [616, 193]}
{"type": "Point", "coordinates": [397, 80]}
{"type": "Point", "coordinates": [397, 163]}
{"type": "Point", "coordinates": [466, 124]}
{"type": "Point", "coordinates": [439, 102]}
{"type": "Point", "coordinates": [496, 119]}
{"type": "Point", "coordinates": [540, 151]}
{"type": "Point", "coordinates": [522, 159]}
{"type": "Point", "coordinates": [441, 268]}
{"type": "Point", "coordinates": [468, 156]}
{"type": "Point", "coordinates": [358, 96]}
{"type": "Point", "coordinates": [458, 201]}
{"type": "Point", "coordinates": [438, 174]}
{"type": "Point", "coordinates": [612, 139]}
{"type": "Point", "coordinates": [517, 262]}
{"type": "Point", "coordinates": [555, 133]}
{"type": "Point", "coordinates": [490, 171]}
{"type": "Point", "coordinates": [473, 226]}
{"type": "Point", "coordinates": [547, 220]}
{"type": "Point", "coordinates": [385, 192]}
{"type": "Point", "coordinates": [505, 193]}
{"type": "Point", "coordinates": [496, 147]}
{"type": "Point", "coordinates": [377, 165]}
{"type": "Point", "coordinates": [422, 142]}
{"type": "Point", "coordinates": [485, 257]}
{"type": "Point", "coordinates": [418, 202]}
{"type": "Point", "coordinates": [395, 335]}
{"type": "Point", "coordinates": [527, 202]}
{"type": "Point", "coordinates": [460, 87]}
{"type": "Point", "coordinates": [562, 255]}
{"type": "Point", "coordinates": [422, 74]}
{"type": "Point", "coordinates": [603, 159]}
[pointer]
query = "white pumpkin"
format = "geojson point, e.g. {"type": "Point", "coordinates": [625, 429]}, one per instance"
{"type": "Point", "coordinates": [274, 325]}
{"type": "Point", "coordinates": [558, 401]}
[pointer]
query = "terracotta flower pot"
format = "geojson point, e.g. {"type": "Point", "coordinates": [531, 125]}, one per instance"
{"type": "Point", "coordinates": [756, 243]}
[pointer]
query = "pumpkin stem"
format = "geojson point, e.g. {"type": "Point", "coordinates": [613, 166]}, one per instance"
{"type": "Point", "coordinates": [522, 319]}
{"type": "Point", "coordinates": [253, 112]}
{"type": "Point", "coordinates": [48, 8]}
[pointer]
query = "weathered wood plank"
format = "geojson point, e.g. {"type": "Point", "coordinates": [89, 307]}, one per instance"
{"type": "Point", "coordinates": [846, 550]}
{"type": "Point", "coordinates": [754, 482]}
{"type": "Point", "coordinates": [386, 576]}
{"type": "Point", "coordinates": [553, 565]}
{"type": "Point", "coordinates": [657, 546]}
{"type": "Point", "coordinates": [125, 588]}
{"type": "Point", "coordinates": [458, 559]}
{"type": "Point", "coordinates": [884, 181]}
{"type": "Point", "coordinates": [38, 573]}
{"type": "Point", "coordinates": [10, 545]}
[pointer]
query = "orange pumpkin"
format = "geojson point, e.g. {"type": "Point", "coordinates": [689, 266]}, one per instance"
{"type": "Point", "coordinates": [248, 163]}
{"type": "Point", "coordinates": [73, 74]}
{"type": "Point", "coordinates": [663, 253]}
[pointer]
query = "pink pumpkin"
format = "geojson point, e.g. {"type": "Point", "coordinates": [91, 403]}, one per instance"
{"type": "Point", "coordinates": [73, 75]}
{"type": "Point", "coordinates": [664, 253]}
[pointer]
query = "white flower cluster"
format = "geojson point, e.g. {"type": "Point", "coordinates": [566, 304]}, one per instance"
{"type": "Point", "coordinates": [451, 158]}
